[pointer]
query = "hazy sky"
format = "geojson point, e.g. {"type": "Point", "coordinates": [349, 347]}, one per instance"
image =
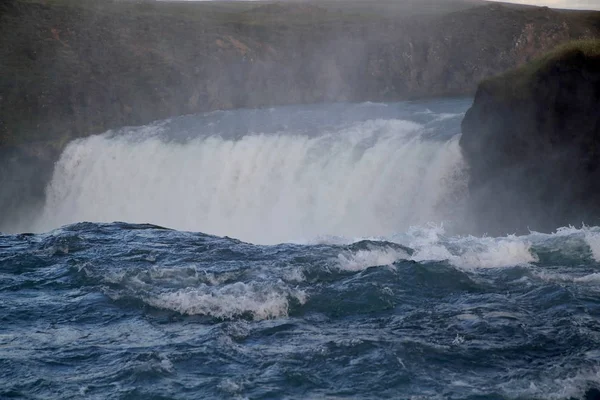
{"type": "Point", "coordinates": [579, 4]}
{"type": "Point", "coordinates": [575, 4]}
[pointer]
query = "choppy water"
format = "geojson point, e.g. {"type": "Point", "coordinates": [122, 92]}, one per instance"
{"type": "Point", "coordinates": [140, 312]}
{"type": "Point", "coordinates": [366, 296]}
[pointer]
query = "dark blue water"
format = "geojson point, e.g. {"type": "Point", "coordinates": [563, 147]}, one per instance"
{"type": "Point", "coordinates": [139, 312]}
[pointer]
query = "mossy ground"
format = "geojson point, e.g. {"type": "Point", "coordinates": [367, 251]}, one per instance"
{"type": "Point", "coordinates": [519, 83]}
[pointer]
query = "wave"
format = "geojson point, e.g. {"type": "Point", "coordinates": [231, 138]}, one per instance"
{"type": "Point", "coordinates": [431, 243]}
{"type": "Point", "coordinates": [523, 301]}
{"type": "Point", "coordinates": [363, 259]}
{"type": "Point", "coordinates": [469, 252]}
{"type": "Point", "coordinates": [192, 291]}
{"type": "Point", "coordinates": [234, 300]}
{"type": "Point", "coordinates": [228, 279]}
{"type": "Point", "coordinates": [565, 246]}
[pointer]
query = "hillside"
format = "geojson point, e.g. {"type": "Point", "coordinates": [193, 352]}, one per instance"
{"type": "Point", "coordinates": [71, 68]}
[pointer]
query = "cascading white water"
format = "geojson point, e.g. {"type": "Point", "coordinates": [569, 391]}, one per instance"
{"type": "Point", "coordinates": [369, 178]}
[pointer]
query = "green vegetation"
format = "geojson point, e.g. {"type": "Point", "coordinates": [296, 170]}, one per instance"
{"type": "Point", "coordinates": [519, 83]}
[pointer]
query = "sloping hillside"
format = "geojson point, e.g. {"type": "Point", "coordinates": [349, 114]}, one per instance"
{"type": "Point", "coordinates": [71, 68]}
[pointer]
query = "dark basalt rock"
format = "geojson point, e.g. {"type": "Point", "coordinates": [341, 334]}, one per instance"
{"type": "Point", "coordinates": [24, 172]}
{"type": "Point", "coordinates": [532, 142]}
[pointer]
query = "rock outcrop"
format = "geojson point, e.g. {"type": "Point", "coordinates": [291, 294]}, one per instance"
{"type": "Point", "coordinates": [24, 173]}
{"type": "Point", "coordinates": [532, 142]}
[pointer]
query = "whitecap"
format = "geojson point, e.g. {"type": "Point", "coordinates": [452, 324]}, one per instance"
{"type": "Point", "coordinates": [230, 301]}
{"type": "Point", "coordinates": [467, 252]}
{"type": "Point", "coordinates": [363, 259]}
{"type": "Point", "coordinates": [593, 240]}
{"type": "Point", "coordinates": [497, 253]}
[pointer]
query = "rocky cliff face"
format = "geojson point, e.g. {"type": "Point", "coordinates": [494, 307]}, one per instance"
{"type": "Point", "coordinates": [532, 141]}
{"type": "Point", "coordinates": [24, 173]}
{"type": "Point", "coordinates": [71, 69]}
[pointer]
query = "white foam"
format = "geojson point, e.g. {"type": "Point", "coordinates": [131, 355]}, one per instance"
{"type": "Point", "coordinates": [229, 301]}
{"type": "Point", "coordinates": [363, 259]}
{"type": "Point", "coordinates": [371, 178]}
{"type": "Point", "coordinates": [593, 240]}
{"type": "Point", "coordinates": [591, 278]}
{"type": "Point", "coordinates": [427, 243]}
{"type": "Point", "coordinates": [498, 253]}
{"type": "Point", "coordinates": [295, 275]}
{"type": "Point", "coordinates": [431, 244]}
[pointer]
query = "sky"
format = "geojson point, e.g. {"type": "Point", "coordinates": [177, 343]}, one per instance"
{"type": "Point", "coordinates": [576, 4]}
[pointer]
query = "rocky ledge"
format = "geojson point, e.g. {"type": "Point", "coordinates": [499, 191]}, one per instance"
{"type": "Point", "coordinates": [532, 143]}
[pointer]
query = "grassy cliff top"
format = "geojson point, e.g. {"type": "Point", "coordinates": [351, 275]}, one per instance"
{"type": "Point", "coordinates": [519, 83]}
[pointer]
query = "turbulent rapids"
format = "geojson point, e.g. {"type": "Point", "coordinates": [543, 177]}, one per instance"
{"type": "Point", "coordinates": [313, 254]}
{"type": "Point", "coordinates": [137, 312]}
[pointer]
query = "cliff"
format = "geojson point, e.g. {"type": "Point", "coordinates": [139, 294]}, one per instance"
{"type": "Point", "coordinates": [72, 68]}
{"type": "Point", "coordinates": [532, 142]}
